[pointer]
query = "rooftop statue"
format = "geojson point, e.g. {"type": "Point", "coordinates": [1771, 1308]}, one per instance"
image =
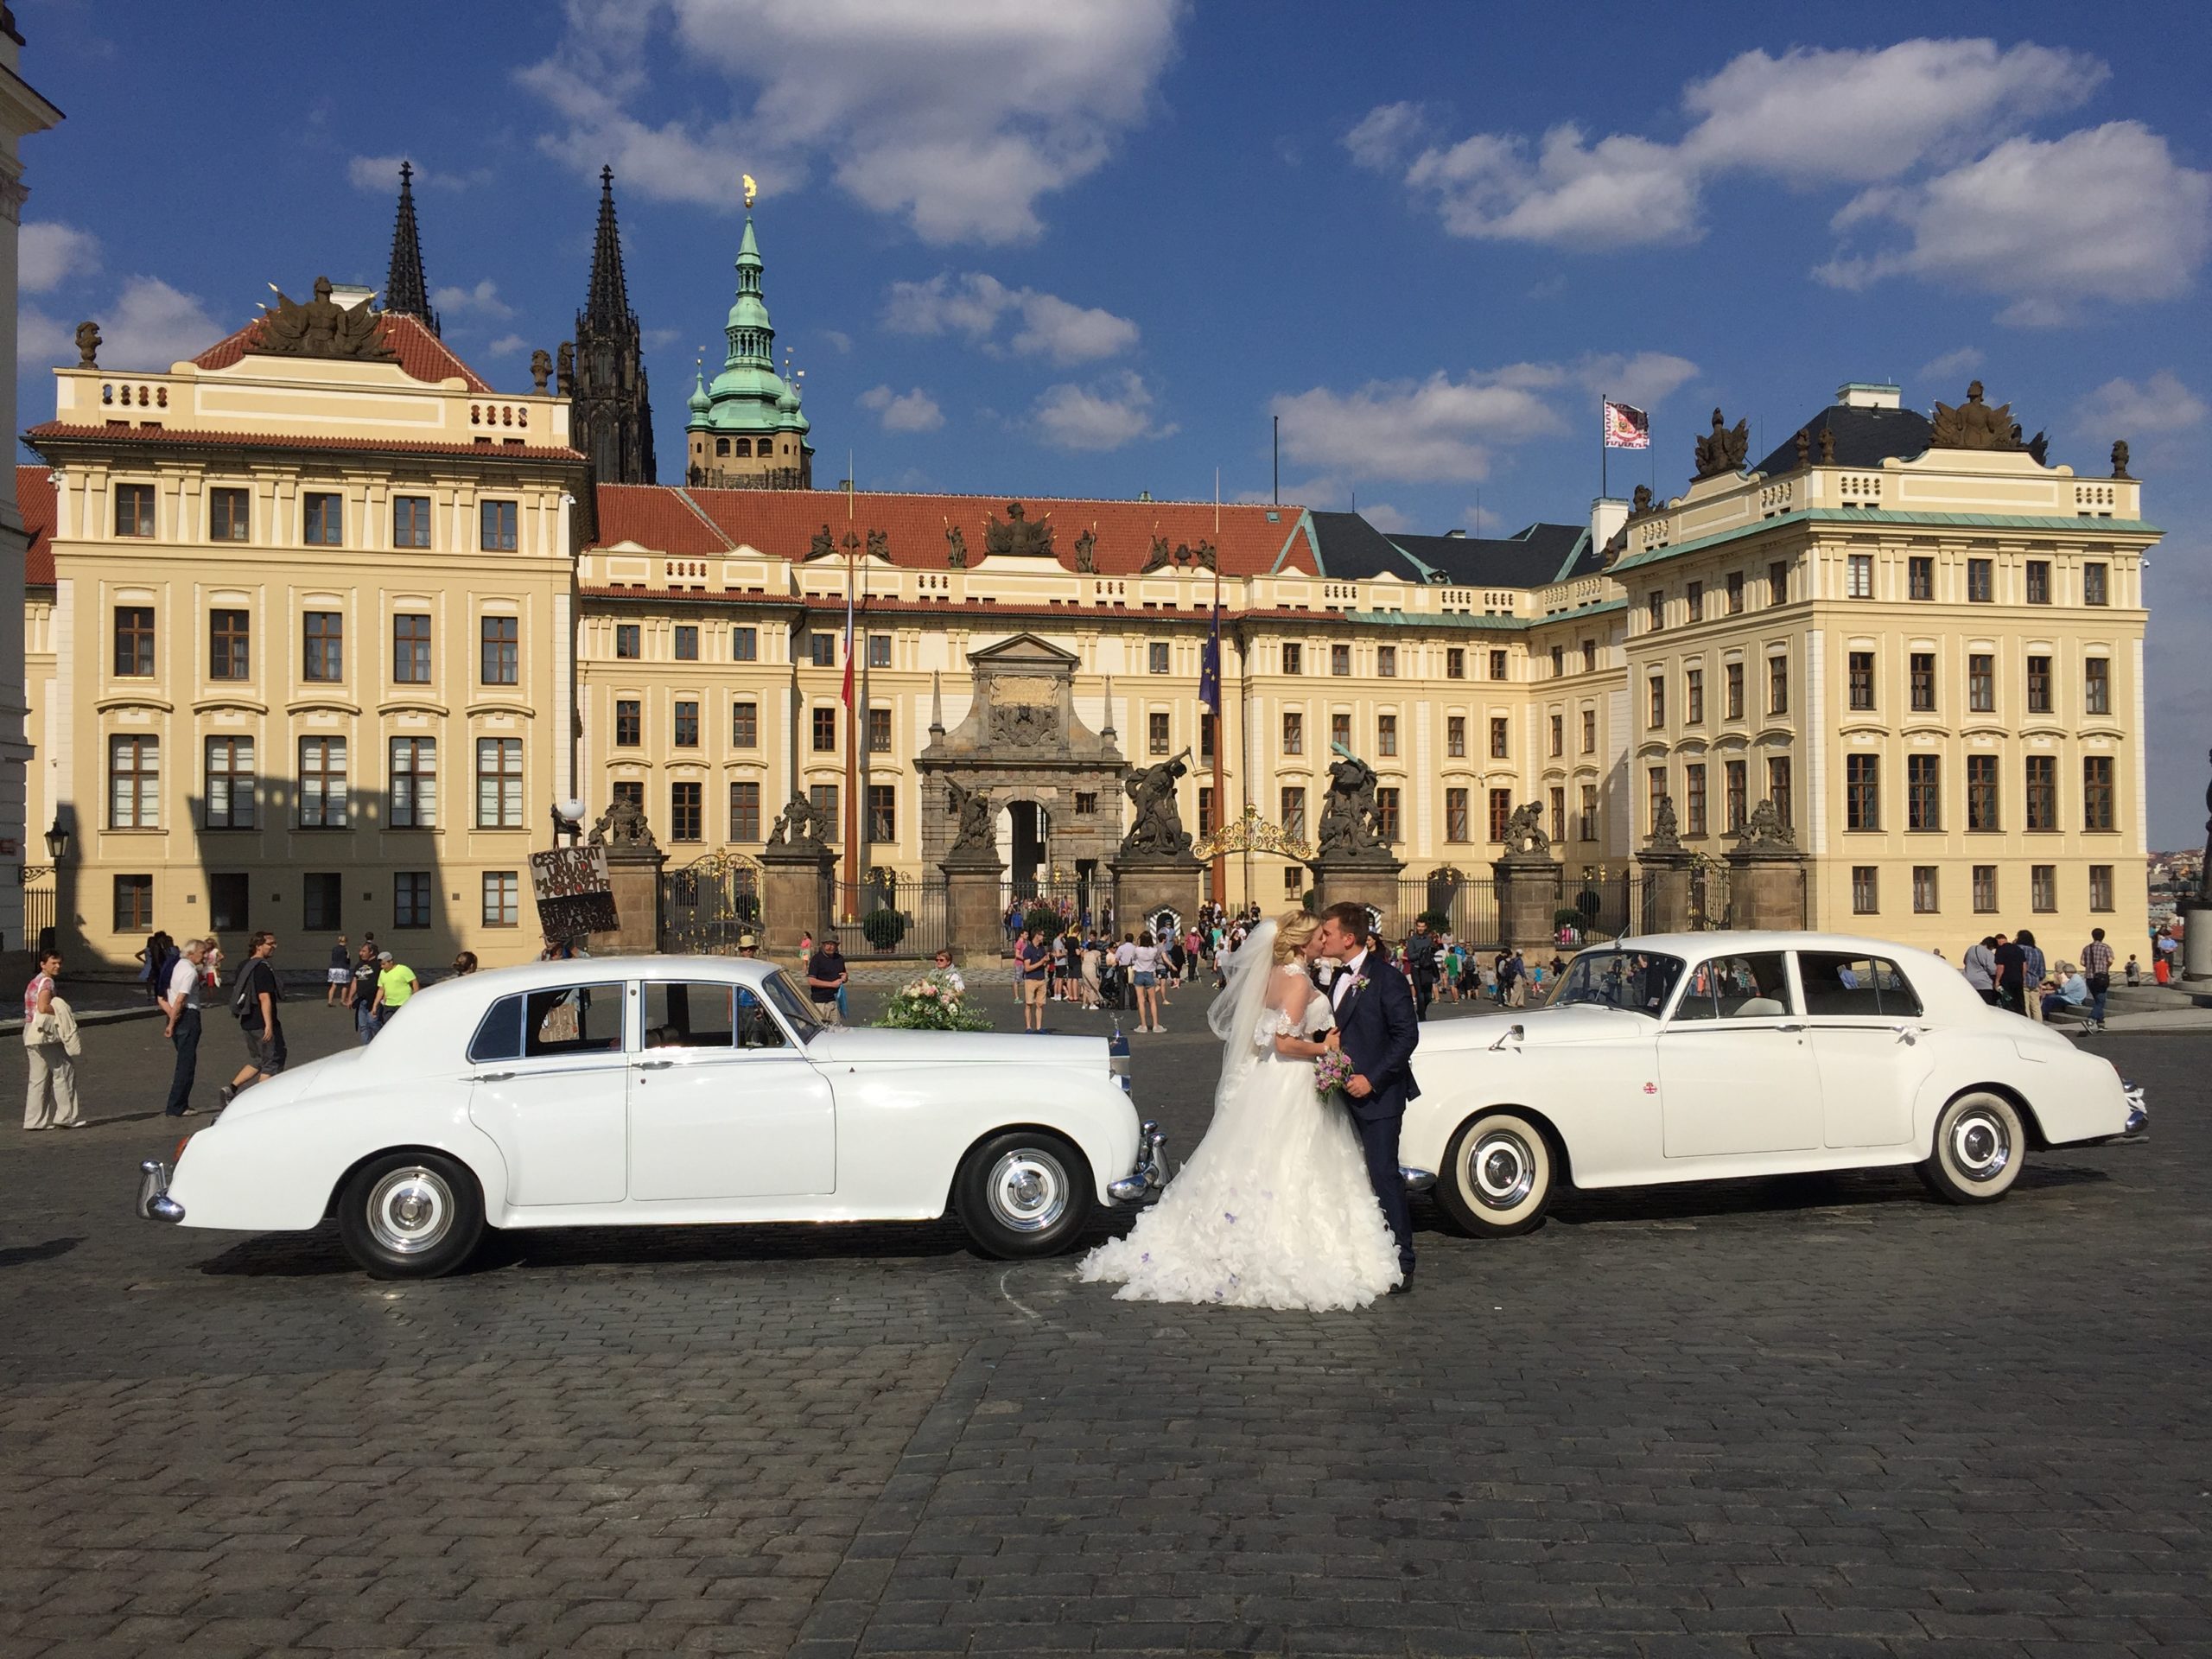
{"type": "Point", "coordinates": [1666, 834]}
{"type": "Point", "coordinates": [1086, 553]}
{"type": "Point", "coordinates": [322, 328]}
{"type": "Point", "coordinates": [956, 547]}
{"type": "Point", "coordinates": [88, 345]}
{"type": "Point", "coordinates": [1015, 535]}
{"type": "Point", "coordinates": [1723, 449]}
{"type": "Point", "coordinates": [2119, 460]}
{"type": "Point", "coordinates": [1973, 424]}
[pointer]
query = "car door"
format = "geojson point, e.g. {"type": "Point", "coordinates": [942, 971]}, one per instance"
{"type": "Point", "coordinates": [723, 1104]}
{"type": "Point", "coordinates": [1864, 1021]}
{"type": "Point", "coordinates": [1736, 1072]}
{"type": "Point", "coordinates": [551, 1079]}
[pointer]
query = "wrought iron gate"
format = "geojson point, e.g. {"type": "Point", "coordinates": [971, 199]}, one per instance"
{"type": "Point", "coordinates": [890, 918]}
{"type": "Point", "coordinates": [710, 904]}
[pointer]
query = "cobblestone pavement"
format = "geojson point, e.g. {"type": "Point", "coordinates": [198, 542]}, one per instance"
{"type": "Point", "coordinates": [1788, 1418]}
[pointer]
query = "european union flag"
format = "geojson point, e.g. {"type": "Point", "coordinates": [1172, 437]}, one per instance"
{"type": "Point", "coordinates": [1210, 666]}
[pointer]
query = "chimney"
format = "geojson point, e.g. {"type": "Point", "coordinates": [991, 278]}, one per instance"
{"type": "Point", "coordinates": [1869, 394]}
{"type": "Point", "coordinates": [1607, 514]}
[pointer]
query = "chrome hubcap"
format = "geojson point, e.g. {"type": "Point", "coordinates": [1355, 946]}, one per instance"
{"type": "Point", "coordinates": [1981, 1146]}
{"type": "Point", "coordinates": [410, 1210]}
{"type": "Point", "coordinates": [1503, 1168]}
{"type": "Point", "coordinates": [1029, 1190]}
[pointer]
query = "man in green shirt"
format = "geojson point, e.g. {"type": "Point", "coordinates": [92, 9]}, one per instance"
{"type": "Point", "coordinates": [395, 984]}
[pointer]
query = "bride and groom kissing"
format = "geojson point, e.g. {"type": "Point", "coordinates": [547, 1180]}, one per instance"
{"type": "Point", "coordinates": [1293, 1199]}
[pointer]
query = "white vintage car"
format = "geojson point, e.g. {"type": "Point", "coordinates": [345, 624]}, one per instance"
{"type": "Point", "coordinates": [659, 1091]}
{"type": "Point", "coordinates": [1694, 1057]}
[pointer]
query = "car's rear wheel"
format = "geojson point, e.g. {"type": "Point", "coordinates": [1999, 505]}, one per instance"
{"type": "Point", "coordinates": [1499, 1175]}
{"type": "Point", "coordinates": [1979, 1146]}
{"type": "Point", "coordinates": [1023, 1193]}
{"type": "Point", "coordinates": [411, 1215]}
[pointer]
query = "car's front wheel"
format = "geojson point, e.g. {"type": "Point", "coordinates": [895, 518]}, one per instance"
{"type": "Point", "coordinates": [1979, 1146]}
{"type": "Point", "coordinates": [1499, 1175]}
{"type": "Point", "coordinates": [1023, 1193]}
{"type": "Point", "coordinates": [409, 1215]}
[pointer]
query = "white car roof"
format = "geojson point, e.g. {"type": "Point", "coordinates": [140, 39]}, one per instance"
{"type": "Point", "coordinates": [1941, 984]}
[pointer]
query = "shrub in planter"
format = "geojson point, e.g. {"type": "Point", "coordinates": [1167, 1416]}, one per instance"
{"type": "Point", "coordinates": [1439, 921]}
{"type": "Point", "coordinates": [1043, 916]}
{"type": "Point", "coordinates": [884, 928]}
{"type": "Point", "coordinates": [1567, 917]}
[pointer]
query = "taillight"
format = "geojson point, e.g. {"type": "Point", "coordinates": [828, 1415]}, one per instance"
{"type": "Point", "coordinates": [182, 1145]}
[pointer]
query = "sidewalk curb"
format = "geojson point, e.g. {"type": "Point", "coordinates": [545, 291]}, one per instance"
{"type": "Point", "coordinates": [91, 1017]}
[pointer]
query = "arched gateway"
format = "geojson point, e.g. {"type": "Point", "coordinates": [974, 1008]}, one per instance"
{"type": "Point", "coordinates": [1052, 785]}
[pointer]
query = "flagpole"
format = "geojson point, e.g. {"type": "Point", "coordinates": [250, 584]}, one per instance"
{"type": "Point", "coordinates": [1219, 883]}
{"type": "Point", "coordinates": [853, 739]}
{"type": "Point", "coordinates": [1602, 456]}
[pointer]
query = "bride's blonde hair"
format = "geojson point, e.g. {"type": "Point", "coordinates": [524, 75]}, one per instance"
{"type": "Point", "coordinates": [1293, 929]}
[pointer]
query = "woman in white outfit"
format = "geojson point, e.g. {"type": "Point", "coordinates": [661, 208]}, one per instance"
{"type": "Point", "coordinates": [1274, 1209]}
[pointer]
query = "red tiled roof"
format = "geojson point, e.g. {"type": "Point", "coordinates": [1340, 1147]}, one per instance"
{"type": "Point", "coordinates": [121, 434]}
{"type": "Point", "coordinates": [781, 522]}
{"type": "Point", "coordinates": [34, 496]}
{"type": "Point", "coordinates": [421, 353]}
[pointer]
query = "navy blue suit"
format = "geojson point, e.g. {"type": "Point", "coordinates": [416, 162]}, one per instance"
{"type": "Point", "coordinates": [1379, 1027]}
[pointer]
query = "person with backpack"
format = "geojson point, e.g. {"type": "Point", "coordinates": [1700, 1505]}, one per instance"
{"type": "Point", "coordinates": [253, 1000]}
{"type": "Point", "coordinates": [159, 959]}
{"type": "Point", "coordinates": [364, 1003]}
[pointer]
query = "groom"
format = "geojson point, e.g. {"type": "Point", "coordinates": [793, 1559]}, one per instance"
{"type": "Point", "coordinates": [1378, 1028]}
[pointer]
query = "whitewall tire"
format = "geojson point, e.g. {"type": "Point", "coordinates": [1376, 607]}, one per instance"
{"type": "Point", "coordinates": [1980, 1144]}
{"type": "Point", "coordinates": [1499, 1175]}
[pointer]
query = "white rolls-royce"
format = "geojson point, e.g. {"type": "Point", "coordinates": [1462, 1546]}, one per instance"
{"type": "Point", "coordinates": [657, 1091]}
{"type": "Point", "coordinates": [1696, 1057]}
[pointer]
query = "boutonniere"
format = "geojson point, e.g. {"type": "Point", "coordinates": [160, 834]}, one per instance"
{"type": "Point", "coordinates": [1358, 984]}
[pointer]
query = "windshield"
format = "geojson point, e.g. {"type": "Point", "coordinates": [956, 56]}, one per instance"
{"type": "Point", "coordinates": [1639, 981]}
{"type": "Point", "coordinates": [783, 997]}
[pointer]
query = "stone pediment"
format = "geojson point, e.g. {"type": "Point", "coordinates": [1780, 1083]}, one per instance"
{"type": "Point", "coordinates": [1022, 648]}
{"type": "Point", "coordinates": [1023, 711]}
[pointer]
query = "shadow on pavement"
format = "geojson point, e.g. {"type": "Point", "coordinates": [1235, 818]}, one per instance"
{"type": "Point", "coordinates": [23, 1255]}
{"type": "Point", "coordinates": [1824, 1190]}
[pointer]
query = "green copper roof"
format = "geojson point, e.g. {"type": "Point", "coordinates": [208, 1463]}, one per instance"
{"type": "Point", "coordinates": [698, 400]}
{"type": "Point", "coordinates": [1887, 516]}
{"type": "Point", "coordinates": [748, 396]}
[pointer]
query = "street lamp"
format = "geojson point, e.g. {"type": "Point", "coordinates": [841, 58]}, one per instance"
{"type": "Point", "coordinates": [57, 839]}
{"type": "Point", "coordinates": [568, 818]}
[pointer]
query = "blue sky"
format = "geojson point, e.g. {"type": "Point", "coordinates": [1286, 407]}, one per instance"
{"type": "Point", "coordinates": [1091, 249]}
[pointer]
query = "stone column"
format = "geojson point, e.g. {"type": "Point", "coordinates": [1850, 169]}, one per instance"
{"type": "Point", "coordinates": [975, 927]}
{"type": "Point", "coordinates": [1368, 878]}
{"type": "Point", "coordinates": [794, 895]}
{"type": "Point", "coordinates": [633, 877]}
{"type": "Point", "coordinates": [1768, 889]}
{"type": "Point", "coordinates": [1145, 881]}
{"type": "Point", "coordinates": [2197, 942]}
{"type": "Point", "coordinates": [1667, 903]}
{"type": "Point", "coordinates": [1529, 894]}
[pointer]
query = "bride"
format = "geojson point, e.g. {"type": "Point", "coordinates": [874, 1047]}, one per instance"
{"type": "Point", "coordinates": [1274, 1209]}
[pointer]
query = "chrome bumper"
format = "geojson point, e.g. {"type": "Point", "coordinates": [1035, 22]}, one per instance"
{"type": "Point", "coordinates": [2139, 1113]}
{"type": "Point", "coordinates": [1149, 1174]}
{"type": "Point", "coordinates": [154, 1201]}
{"type": "Point", "coordinates": [1417, 1181]}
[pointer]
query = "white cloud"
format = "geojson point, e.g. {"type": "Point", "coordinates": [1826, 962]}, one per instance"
{"type": "Point", "coordinates": [1951, 364]}
{"type": "Point", "coordinates": [2104, 213]}
{"type": "Point", "coordinates": [911, 412]}
{"type": "Point", "coordinates": [2140, 410]}
{"type": "Point", "coordinates": [505, 346]}
{"type": "Point", "coordinates": [149, 326]}
{"type": "Point", "coordinates": [49, 253]}
{"type": "Point", "coordinates": [1930, 132]}
{"type": "Point", "coordinates": [379, 176]}
{"type": "Point", "coordinates": [1440, 428]}
{"type": "Point", "coordinates": [1106, 416]}
{"type": "Point", "coordinates": [959, 115]}
{"type": "Point", "coordinates": [1385, 517]}
{"type": "Point", "coordinates": [839, 338]}
{"type": "Point", "coordinates": [482, 300]}
{"type": "Point", "coordinates": [973, 305]}
{"type": "Point", "coordinates": [1806, 117]}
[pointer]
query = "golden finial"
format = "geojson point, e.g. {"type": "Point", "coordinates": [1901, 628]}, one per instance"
{"type": "Point", "coordinates": [751, 191]}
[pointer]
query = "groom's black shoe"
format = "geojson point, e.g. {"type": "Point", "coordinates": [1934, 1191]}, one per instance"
{"type": "Point", "coordinates": [1405, 1286]}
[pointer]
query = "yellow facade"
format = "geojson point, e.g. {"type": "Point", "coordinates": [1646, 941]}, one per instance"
{"type": "Point", "coordinates": [1944, 653]}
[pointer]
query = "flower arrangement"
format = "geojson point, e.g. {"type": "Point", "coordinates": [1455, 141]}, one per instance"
{"type": "Point", "coordinates": [933, 1002]}
{"type": "Point", "coordinates": [1333, 1072]}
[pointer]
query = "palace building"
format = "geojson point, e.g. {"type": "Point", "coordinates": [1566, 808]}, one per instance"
{"type": "Point", "coordinates": [322, 625]}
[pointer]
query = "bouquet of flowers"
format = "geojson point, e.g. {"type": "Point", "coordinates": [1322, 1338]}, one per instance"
{"type": "Point", "coordinates": [933, 1002]}
{"type": "Point", "coordinates": [1333, 1072]}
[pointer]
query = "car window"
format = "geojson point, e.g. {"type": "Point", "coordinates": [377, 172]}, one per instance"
{"type": "Point", "coordinates": [1751, 987]}
{"type": "Point", "coordinates": [573, 1019]}
{"type": "Point", "coordinates": [1846, 984]}
{"type": "Point", "coordinates": [697, 1014]}
{"type": "Point", "coordinates": [1636, 980]}
{"type": "Point", "coordinates": [499, 1035]}
{"type": "Point", "coordinates": [783, 997]}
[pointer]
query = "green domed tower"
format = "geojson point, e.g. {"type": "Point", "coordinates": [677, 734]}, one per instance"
{"type": "Point", "coordinates": [746, 429]}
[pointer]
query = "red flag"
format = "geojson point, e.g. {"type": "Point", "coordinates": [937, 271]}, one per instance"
{"type": "Point", "coordinates": [847, 693]}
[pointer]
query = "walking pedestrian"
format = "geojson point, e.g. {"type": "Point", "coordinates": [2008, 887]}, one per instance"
{"type": "Point", "coordinates": [1518, 997]}
{"type": "Point", "coordinates": [825, 979]}
{"type": "Point", "coordinates": [1144, 973]}
{"type": "Point", "coordinates": [363, 1003]}
{"type": "Point", "coordinates": [2097, 972]}
{"type": "Point", "coordinates": [50, 1047]}
{"type": "Point", "coordinates": [338, 978]}
{"type": "Point", "coordinates": [2011, 968]}
{"type": "Point", "coordinates": [2161, 958]}
{"type": "Point", "coordinates": [395, 984]}
{"type": "Point", "coordinates": [181, 1001]}
{"type": "Point", "coordinates": [254, 1003]}
{"type": "Point", "coordinates": [1420, 962]}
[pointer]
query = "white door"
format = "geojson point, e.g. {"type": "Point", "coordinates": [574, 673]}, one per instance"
{"type": "Point", "coordinates": [1866, 1029]}
{"type": "Point", "coordinates": [551, 1084]}
{"type": "Point", "coordinates": [723, 1106]}
{"type": "Point", "coordinates": [1736, 1070]}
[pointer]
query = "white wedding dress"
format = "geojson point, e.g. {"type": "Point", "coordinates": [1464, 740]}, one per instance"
{"type": "Point", "coordinates": [1274, 1209]}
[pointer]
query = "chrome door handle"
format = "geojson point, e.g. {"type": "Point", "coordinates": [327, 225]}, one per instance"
{"type": "Point", "coordinates": [1792, 1025]}
{"type": "Point", "coordinates": [491, 1076]}
{"type": "Point", "coordinates": [654, 1065]}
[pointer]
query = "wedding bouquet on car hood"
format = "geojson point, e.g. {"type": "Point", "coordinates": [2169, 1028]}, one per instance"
{"type": "Point", "coordinates": [932, 1002]}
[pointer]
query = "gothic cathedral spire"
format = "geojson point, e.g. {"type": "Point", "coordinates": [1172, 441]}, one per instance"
{"type": "Point", "coordinates": [610, 416]}
{"type": "Point", "coordinates": [405, 290]}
